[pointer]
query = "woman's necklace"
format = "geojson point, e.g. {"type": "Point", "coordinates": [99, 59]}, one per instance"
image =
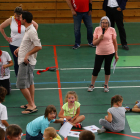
{"type": "Point", "coordinates": [73, 110]}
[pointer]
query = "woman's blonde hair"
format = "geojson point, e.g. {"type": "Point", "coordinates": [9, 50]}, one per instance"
{"type": "Point", "coordinates": [18, 10]}
{"type": "Point", "coordinates": [71, 93]}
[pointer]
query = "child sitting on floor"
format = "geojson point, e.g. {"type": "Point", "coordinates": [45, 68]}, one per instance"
{"type": "Point", "coordinates": [136, 107]}
{"type": "Point", "coordinates": [50, 134]}
{"type": "Point", "coordinates": [86, 135]}
{"type": "Point", "coordinates": [13, 132]}
{"type": "Point", "coordinates": [2, 134]}
{"type": "Point", "coordinates": [115, 120]}
{"type": "Point", "coordinates": [35, 129]}
{"type": "Point", "coordinates": [3, 109]}
{"type": "Point", "coordinates": [71, 110]}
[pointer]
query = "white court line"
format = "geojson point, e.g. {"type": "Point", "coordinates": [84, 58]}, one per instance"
{"type": "Point", "coordinates": [90, 68]}
{"type": "Point", "coordinates": [101, 68]}
{"type": "Point", "coordinates": [83, 87]}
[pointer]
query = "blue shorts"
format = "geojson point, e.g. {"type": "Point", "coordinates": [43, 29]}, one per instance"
{"type": "Point", "coordinates": [38, 137]}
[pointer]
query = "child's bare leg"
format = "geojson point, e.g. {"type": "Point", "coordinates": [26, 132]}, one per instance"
{"type": "Point", "coordinates": [79, 119]}
{"type": "Point", "coordinates": [136, 109]}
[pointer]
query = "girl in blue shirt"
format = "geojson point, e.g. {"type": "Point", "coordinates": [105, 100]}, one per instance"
{"type": "Point", "coordinates": [35, 129]}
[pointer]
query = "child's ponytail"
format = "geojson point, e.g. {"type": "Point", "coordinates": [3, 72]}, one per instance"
{"type": "Point", "coordinates": [116, 99]}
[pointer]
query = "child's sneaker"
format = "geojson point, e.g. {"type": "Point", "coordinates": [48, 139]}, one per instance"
{"type": "Point", "coordinates": [106, 89]}
{"type": "Point", "coordinates": [90, 88]}
{"type": "Point", "coordinates": [76, 46]}
{"type": "Point", "coordinates": [101, 130]}
{"type": "Point", "coordinates": [138, 101]}
{"type": "Point", "coordinates": [127, 108]}
{"type": "Point", "coordinates": [78, 125]}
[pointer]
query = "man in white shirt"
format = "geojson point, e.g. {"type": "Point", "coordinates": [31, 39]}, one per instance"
{"type": "Point", "coordinates": [27, 53]}
{"type": "Point", "coordinates": [114, 10]}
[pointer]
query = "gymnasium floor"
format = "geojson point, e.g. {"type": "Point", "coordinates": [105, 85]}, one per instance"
{"type": "Point", "coordinates": [74, 73]}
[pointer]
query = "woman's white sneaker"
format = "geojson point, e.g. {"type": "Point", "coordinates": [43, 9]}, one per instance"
{"type": "Point", "coordinates": [106, 89]}
{"type": "Point", "coordinates": [90, 88]}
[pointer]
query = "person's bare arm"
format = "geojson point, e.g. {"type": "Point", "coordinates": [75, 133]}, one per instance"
{"type": "Point", "coordinates": [4, 25]}
{"type": "Point", "coordinates": [16, 52]}
{"type": "Point", "coordinates": [71, 7]}
{"type": "Point", "coordinates": [10, 63]}
{"type": "Point", "coordinates": [4, 122]}
{"type": "Point", "coordinates": [96, 41]}
{"type": "Point", "coordinates": [116, 49]}
{"type": "Point", "coordinates": [60, 115]}
{"type": "Point", "coordinates": [109, 117]}
{"type": "Point", "coordinates": [35, 24]}
{"type": "Point", "coordinates": [58, 121]}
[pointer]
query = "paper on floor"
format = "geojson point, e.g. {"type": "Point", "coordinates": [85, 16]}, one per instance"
{"type": "Point", "coordinates": [91, 128]}
{"type": "Point", "coordinates": [65, 129]}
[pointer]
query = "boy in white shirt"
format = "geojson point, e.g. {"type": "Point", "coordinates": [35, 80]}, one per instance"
{"type": "Point", "coordinates": [5, 63]}
{"type": "Point", "coordinates": [3, 109]}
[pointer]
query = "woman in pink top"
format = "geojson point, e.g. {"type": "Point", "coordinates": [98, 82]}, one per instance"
{"type": "Point", "coordinates": [104, 38]}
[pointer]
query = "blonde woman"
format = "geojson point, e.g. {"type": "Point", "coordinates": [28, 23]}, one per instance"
{"type": "Point", "coordinates": [17, 33]}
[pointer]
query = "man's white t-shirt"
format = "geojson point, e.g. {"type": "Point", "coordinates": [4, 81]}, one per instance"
{"type": "Point", "coordinates": [29, 41]}
{"type": "Point", "coordinates": [3, 115]}
{"type": "Point", "coordinates": [5, 58]}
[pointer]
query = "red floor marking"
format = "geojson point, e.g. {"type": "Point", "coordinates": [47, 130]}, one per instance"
{"type": "Point", "coordinates": [4, 46]}
{"type": "Point", "coordinates": [24, 135]}
{"type": "Point", "coordinates": [58, 77]}
{"type": "Point", "coordinates": [58, 80]}
{"type": "Point", "coordinates": [123, 134]}
{"type": "Point", "coordinates": [106, 132]}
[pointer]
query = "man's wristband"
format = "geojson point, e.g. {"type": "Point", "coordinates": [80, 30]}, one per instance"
{"type": "Point", "coordinates": [90, 7]}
